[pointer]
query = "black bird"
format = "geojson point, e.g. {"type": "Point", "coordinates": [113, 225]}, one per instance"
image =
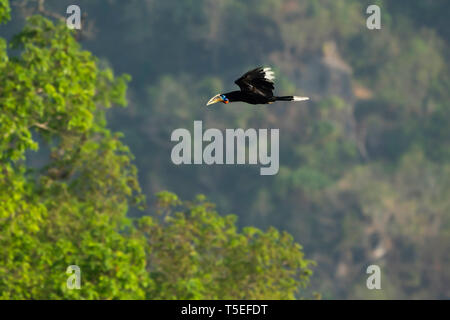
{"type": "Point", "coordinates": [256, 88]}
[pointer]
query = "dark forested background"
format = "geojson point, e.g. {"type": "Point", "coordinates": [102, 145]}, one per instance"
{"type": "Point", "coordinates": [364, 165]}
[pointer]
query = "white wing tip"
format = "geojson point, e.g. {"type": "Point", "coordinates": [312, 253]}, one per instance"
{"type": "Point", "coordinates": [297, 98]}
{"type": "Point", "coordinates": [268, 74]}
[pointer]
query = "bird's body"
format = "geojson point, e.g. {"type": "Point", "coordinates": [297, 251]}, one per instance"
{"type": "Point", "coordinates": [256, 88]}
{"type": "Point", "coordinates": [248, 97]}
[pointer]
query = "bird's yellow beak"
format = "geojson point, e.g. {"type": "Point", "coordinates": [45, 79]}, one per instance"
{"type": "Point", "coordinates": [214, 99]}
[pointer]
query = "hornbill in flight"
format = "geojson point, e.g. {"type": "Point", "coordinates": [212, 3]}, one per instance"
{"type": "Point", "coordinates": [256, 88]}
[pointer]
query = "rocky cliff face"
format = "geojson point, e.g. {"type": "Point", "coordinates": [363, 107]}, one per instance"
{"type": "Point", "coordinates": [328, 76]}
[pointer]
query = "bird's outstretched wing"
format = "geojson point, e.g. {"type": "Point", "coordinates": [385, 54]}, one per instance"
{"type": "Point", "coordinates": [258, 81]}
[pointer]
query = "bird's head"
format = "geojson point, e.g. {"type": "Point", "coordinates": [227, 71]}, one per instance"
{"type": "Point", "coordinates": [218, 98]}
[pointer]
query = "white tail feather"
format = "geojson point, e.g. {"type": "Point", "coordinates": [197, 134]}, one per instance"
{"type": "Point", "coordinates": [297, 98]}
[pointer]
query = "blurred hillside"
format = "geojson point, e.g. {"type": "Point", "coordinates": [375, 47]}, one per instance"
{"type": "Point", "coordinates": [364, 166]}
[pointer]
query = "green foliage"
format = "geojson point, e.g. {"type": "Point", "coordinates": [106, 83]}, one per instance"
{"type": "Point", "coordinates": [5, 11]}
{"type": "Point", "coordinates": [198, 254]}
{"type": "Point", "coordinates": [72, 209]}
